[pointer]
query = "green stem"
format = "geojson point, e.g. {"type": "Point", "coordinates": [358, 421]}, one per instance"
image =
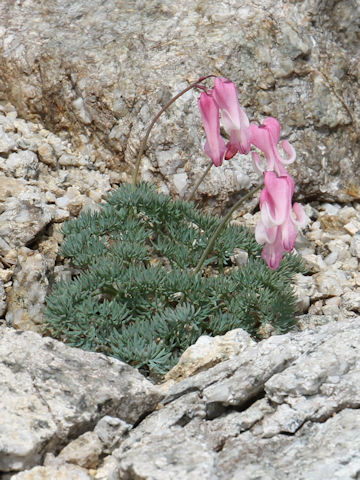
{"type": "Point", "coordinates": [191, 196]}
{"type": "Point", "coordinates": [222, 225]}
{"type": "Point", "coordinates": [155, 119]}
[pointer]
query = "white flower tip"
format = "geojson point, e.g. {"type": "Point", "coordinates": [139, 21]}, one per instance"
{"type": "Point", "coordinates": [256, 161]}
{"type": "Point", "coordinates": [290, 150]}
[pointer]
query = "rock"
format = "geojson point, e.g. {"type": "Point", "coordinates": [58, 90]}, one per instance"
{"type": "Point", "coordinates": [314, 263]}
{"type": "Point", "coordinates": [110, 430]}
{"type": "Point", "coordinates": [2, 299]}
{"type": "Point", "coordinates": [332, 282]}
{"type": "Point", "coordinates": [208, 351]}
{"type": "Point", "coordinates": [59, 472]}
{"type": "Point", "coordinates": [52, 392]}
{"type": "Point", "coordinates": [30, 286]}
{"type": "Point", "coordinates": [322, 450]}
{"type": "Point", "coordinates": [7, 144]}
{"type": "Point", "coordinates": [10, 187]}
{"type": "Point", "coordinates": [84, 451]}
{"type": "Point", "coordinates": [174, 457]}
{"type": "Point", "coordinates": [355, 246]}
{"type": "Point", "coordinates": [23, 164]}
{"type": "Point", "coordinates": [304, 289]}
{"type": "Point", "coordinates": [73, 201]}
{"type": "Point", "coordinates": [303, 69]}
{"type": "Point", "coordinates": [47, 155]}
{"type": "Point", "coordinates": [351, 301]}
{"type": "Point", "coordinates": [331, 306]}
{"type": "Point", "coordinates": [107, 471]}
{"type": "Point", "coordinates": [352, 227]}
{"type": "Point", "coordinates": [285, 407]}
{"type": "Point", "coordinates": [24, 216]}
{"type": "Point", "coordinates": [311, 321]}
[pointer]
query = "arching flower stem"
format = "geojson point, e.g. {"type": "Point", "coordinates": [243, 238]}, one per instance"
{"type": "Point", "coordinates": [155, 119]}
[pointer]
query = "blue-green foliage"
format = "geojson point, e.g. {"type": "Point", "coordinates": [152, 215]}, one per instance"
{"type": "Point", "coordinates": [136, 296]}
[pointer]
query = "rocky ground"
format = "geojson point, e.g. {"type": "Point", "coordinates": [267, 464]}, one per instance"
{"type": "Point", "coordinates": [226, 400]}
{"type": "Point", "coordinates": [79, 83]}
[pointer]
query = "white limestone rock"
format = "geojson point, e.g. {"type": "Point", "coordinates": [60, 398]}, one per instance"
{"type": "Point", "coordinates": [84, 451]}
{"type": "Point", "coordinates": [7, 144]}
{"type": "Point", "coordinates": [355, 246]}
{"type": "Point", "coordinates": [332, 282]}
{"type": "Point", "coordinates": [287, 406]}
{"type": "Point", "coordinates": [110, 430]}
{"type": "Point", "coordinates": [23, 164]}
{"type": "Point", "coordinates": [52, 392]}
{"type": "Point", "coordinates": [207, 352]}
{"type": "Point", "coordinates": [24, 216]}
{"type": "Point", "coordinates": [112, 94]}
{"type": "Point", "coordinates": [54, 472]}
{"type": "Point", "coordinates": [26, 296]}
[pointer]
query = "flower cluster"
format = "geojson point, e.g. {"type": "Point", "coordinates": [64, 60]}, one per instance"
{"type": "Point", "coordinates": [280, 218]}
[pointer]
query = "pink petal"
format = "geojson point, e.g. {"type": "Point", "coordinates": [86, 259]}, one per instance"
{"type": "Point", "coordinates": [264, 234]}
{"type": "Point", "coordinates": [301, 219]}
{"type": "Point", "coordinates": [231, 150]}
{"type": "Point", "coordinates": [235, 120]}
{"type": "Point", "coordinates": [273, 252]}
{"type": "Point", "coordinates": [288, 235]}
{"type": "Point", "coordinates": [226, 96]}
{"type": "Point", "coordinates": [215, 145]}
{"type": "Point", "coordinates": [261, 139]}
{"type": "Point", "coordinates": [275, 199]}
{"type": "Point", "coordinates": [273, 127]}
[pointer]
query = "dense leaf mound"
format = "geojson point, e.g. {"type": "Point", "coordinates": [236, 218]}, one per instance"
{"type": "Point", "coordinates": [134, 294]}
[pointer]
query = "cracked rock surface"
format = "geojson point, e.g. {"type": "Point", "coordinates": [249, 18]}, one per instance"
{"type": "Point", "coordinates": [51, 392]}
{"type": "Point", "coordinates": [100, 70]}
{"type": "Point", "coordinates": [287, 407]}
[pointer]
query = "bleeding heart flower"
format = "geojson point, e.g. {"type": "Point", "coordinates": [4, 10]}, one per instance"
{"type": "Point", "coordinates": [215, 145]}
{"type": "Point", "coordinates": [266, 137]}
{"type": "Point", "coordinates": [279, 218]}
{"type": "Point", "coordinates": [234, 119]}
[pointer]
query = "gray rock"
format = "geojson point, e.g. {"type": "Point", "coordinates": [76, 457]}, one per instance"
{"type": "Point", "coordinates": [302, 68]}
{"type": "Point", "coordinates": [319, 451]}
{"type": "Point", "coordinates": [285, 408]}
{"type": "Point", "coordinates": [51, 393]}
{"type": "Point", "coordinates": [53, 472]}
{"type": "Point", "coordinates": [47, 155]}
{"type": "Point", "coordinates": [351, 300]}
{"type": "Point", "coordinates": [207, 352]}
{"type": "Point", "coordinates": [7, 144]}
{"type": "Point", "coordinates": [169, 456]}
{"type": "Point", "coordinates": [24, 216]}
{"type": "Point", "coordinates": [110, 431]}
{"type": "Point", "coordinates": [23, 164]}
{"type": "Point", "coordinates": [84, 451]}
{"type": "Point", "coordinates": [355, 246]}
{"type": "Point", "coordinates": [331, 282]}
{"type": "Point", "coordinates": [26, 296]}
{"type": "Point", "coordinates": [2, 299]}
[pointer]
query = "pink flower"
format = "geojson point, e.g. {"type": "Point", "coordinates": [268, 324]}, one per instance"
{"type": "Point", "coordinates": [279, 218]}
{"type": "Point", "coordinates": [266, 137]}
{"type": "Point", "coordinates": [234, 119]}
{"type": "Point", "coordinates": [215, 145]}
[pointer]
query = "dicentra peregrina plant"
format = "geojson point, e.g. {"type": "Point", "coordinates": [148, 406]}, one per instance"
{"type": "Point", "coordinates": [139, 291]}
